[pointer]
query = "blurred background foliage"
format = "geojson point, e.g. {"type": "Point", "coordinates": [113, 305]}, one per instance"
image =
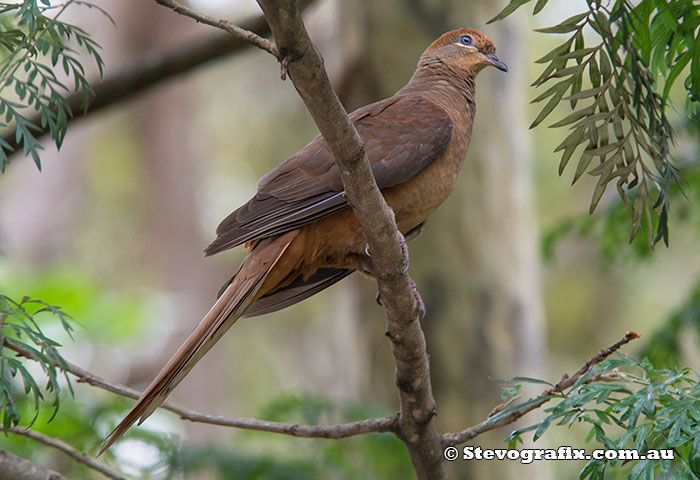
{"type": "Point", "coordinates": [517, 277]}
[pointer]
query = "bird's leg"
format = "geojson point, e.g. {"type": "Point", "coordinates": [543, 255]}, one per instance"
{"type": "Point", "coordinates": [368, 268]}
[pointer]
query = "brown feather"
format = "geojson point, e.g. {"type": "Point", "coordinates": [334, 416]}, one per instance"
{"type": "Point", "coordinates": [403, 135]}
{"type": "Point", "coordinates": [228, 308]}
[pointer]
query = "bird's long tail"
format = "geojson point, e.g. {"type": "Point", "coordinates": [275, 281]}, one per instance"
{"type": "Point", "coordinates": [239, 295]}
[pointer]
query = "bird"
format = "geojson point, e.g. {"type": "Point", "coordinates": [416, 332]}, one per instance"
{"type": "Point", "coordinates": [299, 231]}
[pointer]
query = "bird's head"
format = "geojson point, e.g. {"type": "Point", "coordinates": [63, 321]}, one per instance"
{"type": "Point", "coordinates": [466, 51]}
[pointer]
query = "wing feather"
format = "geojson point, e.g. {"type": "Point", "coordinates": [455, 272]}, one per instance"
{"type": "Point", "coordinates": [403, 135]}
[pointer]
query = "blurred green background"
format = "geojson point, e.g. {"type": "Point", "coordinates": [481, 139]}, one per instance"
{"type": "Point", "coordinates": [517, 279]}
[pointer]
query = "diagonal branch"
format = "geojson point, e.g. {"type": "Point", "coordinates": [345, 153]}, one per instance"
{"type": "Point", "coordinates": [240, 33]}
{"type": "Point", "coordinates": [305, 67]}
{"type": "Point", "coordinates": [497, 420]}
{"type": "Point", "coordinates": [77, 455]}
{"type": "Point", "coordinates": [343, 430]}
{"type": "Point", "coordinates": [18, 468]}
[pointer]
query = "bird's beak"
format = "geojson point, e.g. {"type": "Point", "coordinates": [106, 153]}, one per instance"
{"type": "Point", "coordinates": [493, 60]}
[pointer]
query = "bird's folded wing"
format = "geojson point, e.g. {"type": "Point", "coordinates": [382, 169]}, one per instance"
{"type": "Point", "coordinates": [403, 135]}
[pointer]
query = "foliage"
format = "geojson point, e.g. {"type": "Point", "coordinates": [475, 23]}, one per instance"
{"type": "Point", "coordinates": [609, 228]}
{"type": "Point", "coordinates": [19, 328]}
{"type": "Point", "coordinates": [34, 44]}
{"type": "Point", "coordinates": [632, 405]}
{"type": "Point", "coordinates": [623, 123]}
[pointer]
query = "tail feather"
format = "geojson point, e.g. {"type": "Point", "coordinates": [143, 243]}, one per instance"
{"type": "Point", "coordinates": [230, 306]}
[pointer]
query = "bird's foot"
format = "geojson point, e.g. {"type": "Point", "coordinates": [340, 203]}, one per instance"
{"type": "Point", "coordinates": [366, 262]}
{"type": "Point", "coordinates": [419, 299]}
{"type": "Point", "coordinates": [367, 266]}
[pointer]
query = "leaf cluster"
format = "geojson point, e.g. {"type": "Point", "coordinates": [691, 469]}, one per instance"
{"type": "Point", "coordinates": [34, 46]}
{"type": "Point", "coordinates": [19, 327]}
{"type": "Point", "coordinates": [618, 88]}
{"type": "Point", "coordinates": [633, 405]}
{"type": "Point", "coordinates": [608, 229]}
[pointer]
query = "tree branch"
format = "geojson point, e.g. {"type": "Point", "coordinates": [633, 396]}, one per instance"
{"type": "Point", "coordinates": [240, 33]}
{"type": "Point", "coordinates": [305, 67]}
{"type": "Point", "coordinates": [75, 454]}
{"type": "Point", "coordinates": [496, 421]}
{"type": "Point", "coordinates": [18, 468]}
{"type": "Point", "coordinates": [343, 430]}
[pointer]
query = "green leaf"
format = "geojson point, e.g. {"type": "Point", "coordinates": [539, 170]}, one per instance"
{"type": "Point", "coordinates": [551, 104]}
{"type": "Point", "coordinates": [573, 140]}
{"type": "Point", "coordinates": [593, 470]}
{"type": "Point", "coordinates": [531, 380]}
{"type": "Point", "coordinates": [542, 427]}
{"type": "Point", "coordinates": [561, 28]}
{"type": "Point", "coordinates": [574, 116]}
{"type": "Point", "coordinates": [539, 6]}
{"type": "Point", "coordinates": [602, 184]}
{"type": "Point", "coordinates": [510, 8]}
{"type": "Point", "coordinates": [604, 149]}
{"type": "Point", "coordinates": [575, 89]}
{"type": "Point", "coordinates": [556, 53]}
{"type": "Point", "coordinates": [556, 88]}
{"type": "Point", "coordinates": [579, 53]}
{"type": "Point", "coordinates": [583, 163]}
{"type": "Point", "coordinates": [605, 68]}
{"type": "Point", "coordinates": [694, 457]}
{"type": "Point", "coordinates": [676, 70]}
{"type": "Point", "coordinates": [591, 92]}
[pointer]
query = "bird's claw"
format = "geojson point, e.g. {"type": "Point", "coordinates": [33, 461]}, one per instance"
{"type": "Point", "coordinates": [404, 251]}
{"type": "Point", "coordinates": [367, 267]}
{"type": "Point", "coordinates": [419, 300]}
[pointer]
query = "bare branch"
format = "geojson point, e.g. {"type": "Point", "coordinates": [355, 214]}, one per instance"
{"type": "Point", "coordinates": [75, 454]}
{"type": "Point", "coordinates": [305, 67]}
{"type": "Point", "coordinates": [495, 421]}
{"type": "Point", "coordinates": [343, 430]}
{"type": "Point", "coordinates": [238, 32]}
{"type": "Point", "coordinates": [18, 468]}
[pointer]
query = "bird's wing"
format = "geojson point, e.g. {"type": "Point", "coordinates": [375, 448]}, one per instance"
{"type": "Point", "coordinates": [402, 135]}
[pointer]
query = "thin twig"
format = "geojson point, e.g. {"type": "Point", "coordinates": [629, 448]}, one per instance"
{"type": "Point", "coordinates": [75, 454]}
{"type": "Point", "coordinates": [343, 430]}
{"type": "Point", "coordinates": [241, 33]}
{"type": "Point", "coordinates": [535, 403]}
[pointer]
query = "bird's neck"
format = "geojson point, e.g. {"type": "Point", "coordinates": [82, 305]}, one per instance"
{"type": "Point", "coordinates": [436, 80]}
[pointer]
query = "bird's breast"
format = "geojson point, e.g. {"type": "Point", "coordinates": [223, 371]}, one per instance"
{"type": "Point", "coordinates": [415, 200]}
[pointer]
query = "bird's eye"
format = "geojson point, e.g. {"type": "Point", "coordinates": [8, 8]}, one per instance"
{"type": "Point", "coordinates": [466, 40]}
